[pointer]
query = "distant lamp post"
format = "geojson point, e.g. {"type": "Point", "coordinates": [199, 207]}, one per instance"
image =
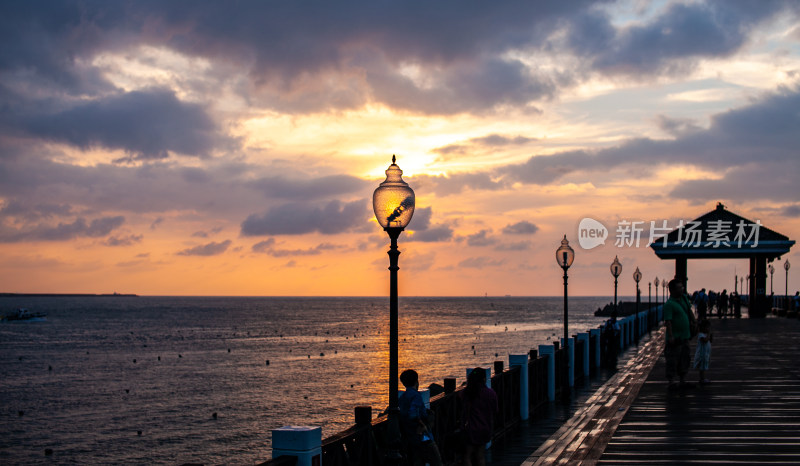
{"type": "Point", "coordinates": [748, 286]}
{"type": "Point", "coordinates": [786, 290]}
{"type": "Point", "coordinates": [664, 291]}
{"type": "Point", "coordinates": [771, 272]}
{"type": "Point", "coordinates": [637, 276]}
{"type": "Point", "coordinates": [393, 203]}
{"type": "Point", "coordinates": [616, 269]}
{"type": "Point", "coordinates": [656, 282]}
{"type": "Point", "coordinates": [564, 256]}
{"type": "Point", "coordinates": [735, 284]}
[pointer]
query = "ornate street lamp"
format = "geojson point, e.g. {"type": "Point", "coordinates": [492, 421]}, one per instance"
{"type": "Point", "coordinates": [656, 283]}
{"type": "Point", "coordinates": [786, 290]}
{"type": "Point", "coordinates": [616, 269]}
{"type": "Point", "coordinates": [637, 276]}
{"type": "Point", "coordinates": [664, 291]}
{"type": "Point", "coordinates": [564, 256]}
{"type": "Point", "coordinates": [393, 203]}
{"type": "Point", "coordinates": [771, 271]}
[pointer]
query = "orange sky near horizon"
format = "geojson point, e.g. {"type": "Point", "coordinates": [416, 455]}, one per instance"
{"type": "Point", "coordinates": [195, 154]}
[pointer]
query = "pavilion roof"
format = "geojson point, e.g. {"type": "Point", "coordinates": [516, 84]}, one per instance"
{"type": "Point", "coordinates": [721, 234]}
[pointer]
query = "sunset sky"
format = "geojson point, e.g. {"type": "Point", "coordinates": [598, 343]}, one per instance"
{"type": "Point", "coordinates": [232, 148]}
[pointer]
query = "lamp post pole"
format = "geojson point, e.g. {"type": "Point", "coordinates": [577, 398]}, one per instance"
{"type": "Point", "coordinates": [637, 275]}
{"type": "Point", "coordinates": [771, 272]}
{"type": "Point", "coordinates": [393, 202]}
{"type": "Point", "coordinates": [394, 337]}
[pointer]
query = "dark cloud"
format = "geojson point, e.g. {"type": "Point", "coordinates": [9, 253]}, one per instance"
{"type": "Point", "coordinates": [433, 234]}
{"type": "Point", "coordinates": [147, 124]}
{"type": "Point", "coordinates": [775, 182]}
{"type": "Point", "coordinates": [210, 249]}
{"type": "Point", "coordinates": [454, 183]}
{"type": "Point", "coordinates": [520, 228]}
{"type": "Point", "coordinates": [481, 238]}
{"type": "Point", "coordinates": [677, 126]}
{"type": "Point", "coordinates": [298, 218]}
{"type": "Point", "coordinates": [308, 189]}
{"type": "Point", "coordinates": [792, 210]}
{"type": "Point", "coordinates": [673, 40]}
{"type": "Point", "coordinates": [266, 247]}
{"type": "Point", "coordinates": [263, 246]}
{"type": "Point", "coordinates": [128, 240]}
{"type": "Point", "coordinates": [98, 227]}
{"type": "Point", "coordinates": [765, 129]}
{"type": "Point", "coordinates": [482, 143]}
{"type": "Point", "coordinates": [313, 56]}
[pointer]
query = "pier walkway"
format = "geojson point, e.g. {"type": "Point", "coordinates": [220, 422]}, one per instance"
{"type": "Point", "coordinates": [748, 414]}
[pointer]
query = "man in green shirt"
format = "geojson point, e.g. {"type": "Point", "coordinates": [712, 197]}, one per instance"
{"type": "Point", "coordinates": [677, 322]}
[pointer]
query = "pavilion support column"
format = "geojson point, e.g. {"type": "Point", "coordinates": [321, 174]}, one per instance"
{"type": "Point", "coordinates": [681, 271]}
{"type": "Point", "coordinates": [752, 302]}
{"type": "Point", "coordinates": [759, 306]}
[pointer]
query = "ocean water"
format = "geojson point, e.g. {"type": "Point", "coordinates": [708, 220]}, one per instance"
{"type": "Point", "coordinates": [171, 380]}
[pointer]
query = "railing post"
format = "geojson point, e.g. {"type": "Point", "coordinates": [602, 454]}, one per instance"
{"type": "Point", "coordinates": [521, 361]}
{"type": "Point", "coordinates": [597, 335]}
{"type": "Point", "coordinates": [550, 352]}
{"type": "Point", "coordinates": [584, 337]}
{"type": "Point", "coordinates": [449, 384]}
{"type": "Point", "coordinates": [304, 442]}
{"type": "Point", "coordinates": [363, 415]}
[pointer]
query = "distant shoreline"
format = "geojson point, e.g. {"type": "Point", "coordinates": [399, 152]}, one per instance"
{"type": "Point", "coordinates": [66, 295]}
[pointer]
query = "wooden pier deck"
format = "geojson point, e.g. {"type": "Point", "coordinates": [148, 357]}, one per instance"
{"type": "Point", "coordinates": [748, 414]}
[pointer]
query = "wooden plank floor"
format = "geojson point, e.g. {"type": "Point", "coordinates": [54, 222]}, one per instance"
{"type": "Point", "coordinates": [749, 414]}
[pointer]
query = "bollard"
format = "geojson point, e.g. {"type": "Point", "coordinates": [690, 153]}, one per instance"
{"type": "Point", "coordinates": [304, 442]}
{"type": "Point", "coordinates": [363, 415]}
{"type": "Point", "coordinates": [549, 351]}
{"type": "Point", "coordinates": [521, 361]}
{"type": "Point", "coordinates": [584, 337]}
{"type": "Point", "coordinates": [449, 384]}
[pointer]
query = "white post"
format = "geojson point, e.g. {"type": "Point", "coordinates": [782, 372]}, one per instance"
{"type": "Point", "coordinates": [597, 335]}
{"type": "Point", "coordinates": [584, 337]}
{"type": "Point", "coordinates": [304, 442]}
{"type": "Point", "coordinates": [521, 360]}
{"type": "Point", "coordinates": [550, 352]}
